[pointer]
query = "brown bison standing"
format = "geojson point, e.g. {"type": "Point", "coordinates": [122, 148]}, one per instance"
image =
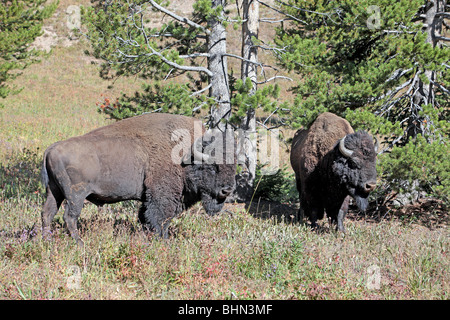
{"type": "Point", "coordinates": [331, 163]}
{"type": "Point", "coordinates": [138, 159]}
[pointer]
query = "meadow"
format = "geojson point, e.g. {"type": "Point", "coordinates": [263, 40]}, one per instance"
{"type": "Point", "coordinates": [249, 251]}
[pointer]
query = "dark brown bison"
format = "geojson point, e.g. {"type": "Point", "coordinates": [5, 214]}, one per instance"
{"type": "Point", "coordinates": [331, 163]}
{"type": "Point", "coordinates": [151, 158]}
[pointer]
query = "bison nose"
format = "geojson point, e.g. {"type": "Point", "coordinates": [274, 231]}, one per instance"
{"type": "Point", "coordinates": [370, 186]}
{"type": "Point", "coordinates": [225, 192]}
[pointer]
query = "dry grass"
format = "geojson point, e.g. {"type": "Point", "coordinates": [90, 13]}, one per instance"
{"type": "Point", "coordinates": [245, 252]}
{"type": "Point", "coordinates": [232, 255]}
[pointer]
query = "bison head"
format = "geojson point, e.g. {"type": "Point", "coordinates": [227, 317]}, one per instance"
{"type": "Point", "coordinates": [355, 166]}
{"type": "Point", "coordinates": [211, 169]}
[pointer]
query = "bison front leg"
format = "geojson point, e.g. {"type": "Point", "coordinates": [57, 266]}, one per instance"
{"type": "Point", "coordinates": [150, 223]}
{"type": "Point", "coordinates": [156, 214]}
{"type": "Point", "coordinates": [153, 220]}
{"type": "Point", "coordinates": [301, 216]}
{"type": "Point", "coordinates": [313, 216]}
{"type": "Point", "coordinates": [342, 213]}
{"type": "Point", "coordinates": [337, 215]}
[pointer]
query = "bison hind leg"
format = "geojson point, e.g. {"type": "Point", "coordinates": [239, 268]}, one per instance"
{"type": "Point", "coordinates": [51, 207]}
{"type": "Point", "coordinates": [71, 214]}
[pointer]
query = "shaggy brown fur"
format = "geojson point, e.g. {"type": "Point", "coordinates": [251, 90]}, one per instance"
{"type": "Point", "coordinates": [308, 149]}
{"type": "Point", "coordinates": [324, 176]}
{"type": "Point", "coordinates": [132, 160]}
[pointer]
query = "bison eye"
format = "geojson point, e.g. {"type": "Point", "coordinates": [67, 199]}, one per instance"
{"type": "Point", "coordinates": [354, 164]}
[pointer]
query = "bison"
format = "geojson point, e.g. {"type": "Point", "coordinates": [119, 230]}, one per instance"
{"type": "Point", "coordinates": [150, 158]}
{"type": "Point", "coordinates": [331, 162]}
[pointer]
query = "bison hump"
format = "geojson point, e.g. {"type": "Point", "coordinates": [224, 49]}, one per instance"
{"type": "Point", "coordinates": [313, 144]}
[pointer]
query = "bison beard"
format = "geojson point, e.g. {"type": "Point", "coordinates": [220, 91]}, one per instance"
{"type": "Point", "coordinates": [361, 201]}
{"type": "Point", "coordinates": [211, 205]}
{"type": "Point", "coordinates": [132, 160]}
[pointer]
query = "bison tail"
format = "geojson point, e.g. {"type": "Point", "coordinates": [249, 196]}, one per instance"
{"type": "Point", "coordinates": [44, 174]}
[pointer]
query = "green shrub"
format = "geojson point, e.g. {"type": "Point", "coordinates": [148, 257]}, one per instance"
{"type": "Point", "coordinates": [420, 161]}
{"type": "Point", "coordinates": [278, 187]}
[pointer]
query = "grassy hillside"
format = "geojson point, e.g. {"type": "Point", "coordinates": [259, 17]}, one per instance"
{"type": "Point", "coordinates": [252, 251]}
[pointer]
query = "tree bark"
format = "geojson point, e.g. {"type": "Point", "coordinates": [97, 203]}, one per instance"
{"type": "Point", "coordinates": [217, 64]}
{"type": "Point", "coordinates": [248, 152]}
{"type": "Point", "coordinates": [424, 92]}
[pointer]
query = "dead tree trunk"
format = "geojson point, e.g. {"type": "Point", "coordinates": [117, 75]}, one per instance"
{"type": "Point", "coordinates": [217, 64]}
{"type": "Point", "coordinates": [248, 153]}
{"type": "Point", "coordinates": [424, 92]}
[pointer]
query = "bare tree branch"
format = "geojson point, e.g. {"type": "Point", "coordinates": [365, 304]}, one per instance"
{"type": "Point", "coordinates": [274, 78]}
{"type": "Point", "coordinates": [177, 66]}
{"type": "Point", "coordinates": [444, 89]}
{"type": "Point", "coordinates": [443, 14]}
{"type": "Point", "coordinates": [201, 91]}
{"type": "Point", "coordinates": [179, 18]}
{"type": "Point", "coordinates": [154, 52]}
{"type": "Point", "coordinates": [195, 55]}
{"type": "Point", "coordinates": [282, 12]}
{"type": "Point", "coordinates": [442, 38]}
{"type": "Point", "coordinates": [326, 14]}
{"type": "Point", "coordinates": [250, 61]}
{"type": "Point", "coordinates": [273, 20]}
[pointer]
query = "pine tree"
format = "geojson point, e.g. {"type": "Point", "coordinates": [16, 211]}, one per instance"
{"type": "Point", "coordinates": [193, 45]}
{"type": "Point", "coordinates": [20, 24]}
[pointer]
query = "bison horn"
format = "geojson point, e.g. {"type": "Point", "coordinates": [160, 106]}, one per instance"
{"type": "Point", "coordinates": [198, 155]}
{"type": "Point", "coordinates": [345, 152]}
